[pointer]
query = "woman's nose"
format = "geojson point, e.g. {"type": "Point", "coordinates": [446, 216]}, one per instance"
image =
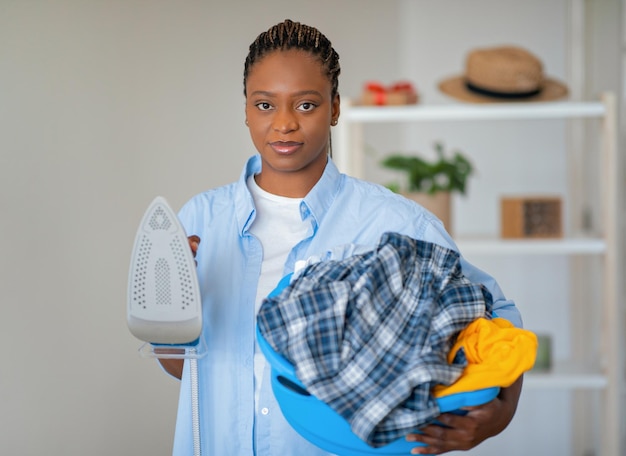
{"type": "Point", "coordinates": [285, 121]}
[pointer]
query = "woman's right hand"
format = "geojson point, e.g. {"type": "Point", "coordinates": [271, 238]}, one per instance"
{"type": "Point", "coordinates": [194, 242]}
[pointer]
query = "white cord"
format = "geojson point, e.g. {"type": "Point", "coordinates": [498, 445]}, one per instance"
{"type": "Point", "coordinates": [195, 404]}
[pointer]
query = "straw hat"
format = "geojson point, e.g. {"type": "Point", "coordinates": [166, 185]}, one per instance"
{"type": "Point", "coordinates": [503, 74]}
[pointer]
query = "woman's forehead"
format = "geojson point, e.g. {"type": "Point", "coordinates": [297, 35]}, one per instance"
{"type": "Point", "coordinates": [282, 68]}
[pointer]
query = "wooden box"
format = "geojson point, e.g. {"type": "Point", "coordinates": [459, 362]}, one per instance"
{"type": "Point", "coordinates": [531, 217]}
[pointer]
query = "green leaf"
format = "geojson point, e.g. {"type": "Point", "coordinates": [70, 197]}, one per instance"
{"type": "Point", "coordinates": [442, 174]}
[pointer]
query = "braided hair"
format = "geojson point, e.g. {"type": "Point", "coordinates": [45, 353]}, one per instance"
{"type": "Point", "coordinates": [294, 35]}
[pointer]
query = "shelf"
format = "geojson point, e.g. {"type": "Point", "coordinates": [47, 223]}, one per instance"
{"type": "Point", "coordinates": [495, 246]}
{"type": "Point", "coordinates": [566, 376]}
{"type": "Point", "coordinates": [500, 111]}
{"type": "Point", "coordinates": [348, 133]}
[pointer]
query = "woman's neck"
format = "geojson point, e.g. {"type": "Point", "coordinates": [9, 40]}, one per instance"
{"type": "Point", "coordinates": [295, 184]}
{"type": "Point", "coordinates": [291, 186]}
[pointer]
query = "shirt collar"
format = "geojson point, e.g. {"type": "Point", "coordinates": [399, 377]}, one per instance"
{"type": "Point", "coordinates": [316, 203]}
{"type": "Point", "coordinates": [324, 193]}
{"type": "Point", "coordinates": [244, 203]}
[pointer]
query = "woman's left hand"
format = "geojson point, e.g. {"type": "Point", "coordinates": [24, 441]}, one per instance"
{"type": "Point", "coordinates": [463, 432]}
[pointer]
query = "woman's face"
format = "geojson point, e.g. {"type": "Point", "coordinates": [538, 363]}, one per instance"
{"type": "Point", "coordinates": [289, 110]}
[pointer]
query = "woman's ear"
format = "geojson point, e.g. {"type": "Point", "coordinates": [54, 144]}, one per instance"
{"type": "Point", "coordinates": [334, 115]}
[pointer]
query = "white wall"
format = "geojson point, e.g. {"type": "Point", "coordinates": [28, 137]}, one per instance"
{"type": "Point", "coordinates": [104, 105]}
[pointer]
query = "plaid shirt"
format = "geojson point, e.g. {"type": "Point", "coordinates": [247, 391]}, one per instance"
{"type": "Point", "coordinates": [369, 335]}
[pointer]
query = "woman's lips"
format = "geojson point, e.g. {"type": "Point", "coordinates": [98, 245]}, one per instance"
{"type": "Point", "coordinates": [285, 147]}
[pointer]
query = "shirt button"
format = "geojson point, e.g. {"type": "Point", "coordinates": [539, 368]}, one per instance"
{"type": "Point", "coordinates": [265, 411]}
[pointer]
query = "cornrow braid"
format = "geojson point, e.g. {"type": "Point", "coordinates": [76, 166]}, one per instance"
{"type": "Point", "coordinates": [294, 35]}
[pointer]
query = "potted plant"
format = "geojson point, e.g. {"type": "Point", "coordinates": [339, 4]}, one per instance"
{"type": "Point", "coordinates": [431, 183]}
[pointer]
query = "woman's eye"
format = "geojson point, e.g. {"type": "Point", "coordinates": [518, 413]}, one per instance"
{"type": "Point", "coordinates": [264, 106]}
{"type": "Point", "coordinates": [306, 106]}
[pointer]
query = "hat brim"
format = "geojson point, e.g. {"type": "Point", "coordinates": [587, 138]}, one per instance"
{"type": "Point", "coordinates": [456, 88]}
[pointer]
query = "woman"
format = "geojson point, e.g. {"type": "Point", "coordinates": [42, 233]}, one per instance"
{"type": "Point", "coordinates": [289, 204]}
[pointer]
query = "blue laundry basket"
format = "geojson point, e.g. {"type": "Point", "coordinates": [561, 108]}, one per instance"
{"type": "Point", "coordinates": [322, 426]}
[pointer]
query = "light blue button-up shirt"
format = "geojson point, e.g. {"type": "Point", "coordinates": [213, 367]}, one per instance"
{"type": "Point", "coordinates": [342, 212]}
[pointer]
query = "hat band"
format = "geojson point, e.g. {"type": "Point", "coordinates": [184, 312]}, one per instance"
{"type": "Point", "coordinates": [509, 95]}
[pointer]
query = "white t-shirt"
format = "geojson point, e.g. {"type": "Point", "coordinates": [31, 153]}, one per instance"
{"type": "Point", "coordinates": [279, 227]}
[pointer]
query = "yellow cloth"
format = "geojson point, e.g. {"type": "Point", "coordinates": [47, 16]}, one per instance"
{"type": "Point", "coordinates": [497, 354]}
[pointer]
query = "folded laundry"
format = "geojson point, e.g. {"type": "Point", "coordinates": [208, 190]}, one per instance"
{"type": "Point", "coordinates": [370, 335]}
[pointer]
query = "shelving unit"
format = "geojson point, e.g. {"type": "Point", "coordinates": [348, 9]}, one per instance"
{"type": "Point", "coordinates": [607, 376]}
{"type": "Point", "coordinates": [349, 130]}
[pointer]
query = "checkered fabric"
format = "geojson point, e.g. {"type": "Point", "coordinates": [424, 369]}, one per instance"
{"type": "Point", "coordinates": [369, 335]}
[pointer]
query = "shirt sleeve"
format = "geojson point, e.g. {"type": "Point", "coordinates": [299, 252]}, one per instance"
{"type": "Point", "coordinates": [502, 307]}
